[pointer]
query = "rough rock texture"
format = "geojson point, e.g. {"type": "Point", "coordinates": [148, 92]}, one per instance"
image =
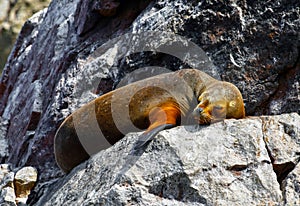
{"type": "Point", "coordinates": [75, 50]}
{"type": "Point", "coordinates": [24, 181]}
{"type": "Point", "coordinates": [3, 140]}
{"type": "Point", "coordinates": [7, 194]}
{"type": "Point", "coordinates": [227, 163]}
{"type": "Point", "coordinates": [16, 184]}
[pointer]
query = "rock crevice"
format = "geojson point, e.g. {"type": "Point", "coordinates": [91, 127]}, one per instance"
{"type": "Point", "coordinates": [283, 147]}
{"type": "Point", "coordinates": [74, 51]}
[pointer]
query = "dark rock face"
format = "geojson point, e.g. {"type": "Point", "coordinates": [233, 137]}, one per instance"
{"type": "Point", "coordinates": [70, 53]}
{"type": "Point", "coordinates": [46, 50]}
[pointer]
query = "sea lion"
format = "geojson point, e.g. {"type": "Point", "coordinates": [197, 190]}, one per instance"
{"type": "Point", "coordinates": [152, 104]}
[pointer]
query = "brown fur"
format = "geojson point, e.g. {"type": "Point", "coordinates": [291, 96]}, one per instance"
{"type": "Point", "coordinates": [145, 105]}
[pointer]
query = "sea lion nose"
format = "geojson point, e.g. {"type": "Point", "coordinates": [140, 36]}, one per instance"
{"type": "Point", "coordinates": [197, 111]}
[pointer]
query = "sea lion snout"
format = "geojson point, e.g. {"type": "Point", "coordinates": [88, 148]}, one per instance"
{"type": "Point", "coordinates": [197, 111]}
{"type": "Point", "coordinates": [201, 115]}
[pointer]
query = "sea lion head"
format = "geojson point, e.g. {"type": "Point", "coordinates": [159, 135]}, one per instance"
{"type": "Point", "coordinates": [218, 101]}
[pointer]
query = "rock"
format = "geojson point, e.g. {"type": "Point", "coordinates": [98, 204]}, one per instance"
{"type": "Point", "coordinates": [4, 169]}
{"type": "Point", "coordinates": [3, 140]}
{"type": "Point", "coordinates": [284, 147]}
{"type": "Point", "coordinates": [24, 181]}
{"type": "Point", "coordinates": [16, 186]}
{"type": "Point", "coordinates": [7, 179]}
{"type": "Point", "coordinates": [7, 196]}
{"type": "Point", "coordinates": [226, 163]}
{"type": "Point", "coordinates": [291, 187]}
{"type": "Point", "coordinates": [70, 53]}
{"type": "Point", "coordinates": [106, 7]}
{"type": "Point", "coordinates": [7, 192]}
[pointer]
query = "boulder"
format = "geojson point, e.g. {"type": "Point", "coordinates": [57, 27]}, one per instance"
{"type": "Point", "coordinates": [226, 163]}
{"type": "Point", "coordinates": [74, 51]}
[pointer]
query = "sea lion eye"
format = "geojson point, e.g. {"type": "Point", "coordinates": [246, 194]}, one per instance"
{"type": "Point", "coordinates": [218, 111]}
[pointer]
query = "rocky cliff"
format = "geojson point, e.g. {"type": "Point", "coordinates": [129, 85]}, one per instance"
{"type": "Point", "coordinates": [73, 51]}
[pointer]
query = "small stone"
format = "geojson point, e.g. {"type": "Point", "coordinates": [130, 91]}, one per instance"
{"type": "Point", "coordinates": [7, 180]}
{"type": "Point", "coordinates": [24, 181]}
{"type": "Point", "coordinates": [7, 196]}
{"type": "Point", "coordinates": [4, 169]}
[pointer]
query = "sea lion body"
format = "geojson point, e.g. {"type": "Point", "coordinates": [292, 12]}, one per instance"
{"type": "Point", "coordinates": [149, 104]}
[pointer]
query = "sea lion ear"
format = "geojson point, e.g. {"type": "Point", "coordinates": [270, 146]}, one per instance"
{"type": "Point", "coordinates": [232, 104]}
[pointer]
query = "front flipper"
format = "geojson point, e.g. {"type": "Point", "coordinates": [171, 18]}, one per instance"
{"type": "Point", "coordinates": [163, 117]}
{"type": "Point", "coordinates": [147, 137]}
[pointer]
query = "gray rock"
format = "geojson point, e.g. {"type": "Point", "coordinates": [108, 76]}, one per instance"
{"type": "Point", "coordinates": [7, 192]}
{"type": "Point", "coordinates": [3, 139]}
{"type": "Point", "coordinates": [285, 146]}
{"type": "Point", "coordinates": [7, 179]}
{"type": "Point", "coordinates": [16, 184]}
{"type": "Point", "coordinates": [70, 53]}
{"type": "Point", "coordinates": [226, 163]}
{"type": "Point", "coordinates": [8, 197]}
{"type": "Point", "coordinates": [291, 187]}
{"type": "Point", "coordinates": [4, 169]}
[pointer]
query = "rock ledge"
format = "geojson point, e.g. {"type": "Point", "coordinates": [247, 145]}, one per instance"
{"type": "Point", "coordinates": [235, 162]}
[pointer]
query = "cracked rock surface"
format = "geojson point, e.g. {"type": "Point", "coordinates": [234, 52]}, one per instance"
{"type": "Point", "coordinates": [226, 163]}
{"type": "Point", "coordinates": [71, 52]}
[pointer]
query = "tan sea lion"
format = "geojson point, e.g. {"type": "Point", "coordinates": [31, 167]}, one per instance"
{"type": "Point", "coordinates": [151, 104]}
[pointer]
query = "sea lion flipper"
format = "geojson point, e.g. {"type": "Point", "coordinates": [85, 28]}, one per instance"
{"type": "Point", "coordinates": [147, 137]}
{"type": "Point", "coordinates": [163, 117]}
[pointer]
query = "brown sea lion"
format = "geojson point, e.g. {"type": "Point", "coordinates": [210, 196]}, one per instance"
{"type": "Point", "coordinates": [152, 104]}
